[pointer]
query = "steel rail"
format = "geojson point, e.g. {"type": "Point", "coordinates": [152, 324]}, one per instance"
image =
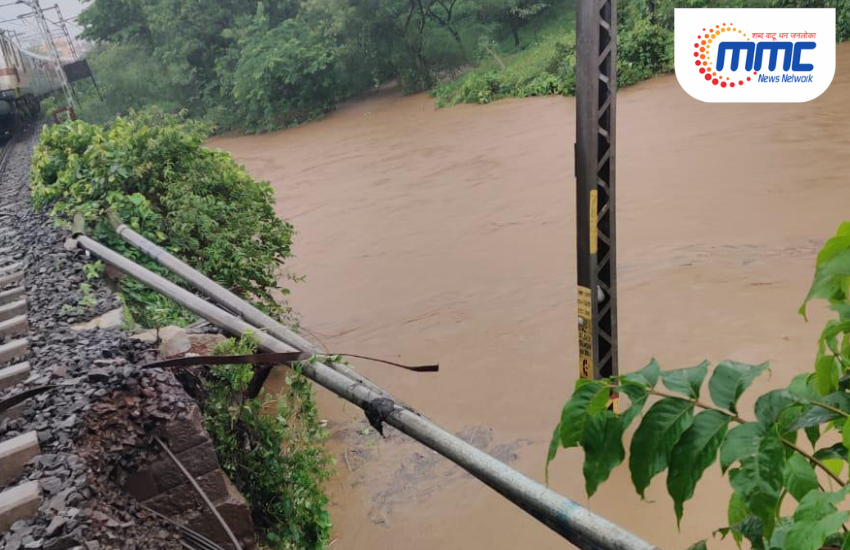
{"type": "Point", "coordinates": [573, 522]}
{"type": "Point", "coordinates": [5, 149]}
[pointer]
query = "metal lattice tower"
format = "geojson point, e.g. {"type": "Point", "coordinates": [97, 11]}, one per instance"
{"type": "Point", "coordinates": [63, 26]}
{"type": "Point", "coordinates": [41, 21]}
{"type": "Point", "coordinates": [596, 94]}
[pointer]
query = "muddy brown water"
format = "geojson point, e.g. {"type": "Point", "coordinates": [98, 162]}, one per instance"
{"type": "Point", "coordinates": [448, 235]}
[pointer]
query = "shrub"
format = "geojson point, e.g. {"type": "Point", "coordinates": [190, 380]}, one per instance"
{"type": "Point", "coordinates": [644, 50]}
{"type": "Point", "coordinates": [278, 76]}
{"type": "Point", "coordinates": [275, 460]}
{"type": "Point", "coordinates": [154, 172]}
{"type": "Point", "coordinates": [130, 78]}
{"type": "Point", "coordinates": [543, 70]}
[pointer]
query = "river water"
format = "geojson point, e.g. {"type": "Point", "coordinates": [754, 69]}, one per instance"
{"type": "Point", "coordinates": [448, 235]}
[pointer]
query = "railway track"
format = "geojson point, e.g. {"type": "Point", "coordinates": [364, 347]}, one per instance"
{"type": "Point", "coordinates": [5, 146]}
{"type": "Point", "coordinates": [17, 501]}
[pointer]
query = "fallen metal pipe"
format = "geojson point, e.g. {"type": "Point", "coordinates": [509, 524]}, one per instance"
{"type": "Point", "coordinates": [228, 299]}
{"type": "Point", "coordinates": [573, 522]}
{"type": "Point", "coordinates": [215, 291]}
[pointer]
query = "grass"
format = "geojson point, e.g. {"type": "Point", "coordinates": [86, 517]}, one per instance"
{"type": "Point", "coordinates": [542, 65]}
{"type": "Point", "coordinates": [546, 65]}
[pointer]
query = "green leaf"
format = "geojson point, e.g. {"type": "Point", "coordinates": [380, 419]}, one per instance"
{"type": "Point", "coordinates": [813, 434]}
{"type": "Point", "coordinates": [812, 417]}
{"type": "Point", "coordinates": [634, 410]}
{"type": "Point", "coordinates": [800, 477]}
{"type": "Point", "coordinates": [589, 398]}
{"type": "Point", "coordinates": [647, 376]}
{"type": "Point", "coordinates": [759, 480]}
{"type": "Point", "coordinates": [553, 450]}
{"type": "Point", "coordinates": [836, 244]}
{"type": "Point", "coordinates": [752, 529]}
{"type": "Point", "coordinates": [780, 534]}
{"type": "Point", "coordinates": [636, 386]}
{"type": "Point", "coordinates": [735, 514]}
{"type": "Point", "coordinates": [701, 545]}
{"type": "Point", "coordinates": [845, 435]}
{"type": "Point", "coordinates": [834, 465]}
{"type": "Point", "coordinates": [802, 386]}
{"type": "Point", "coordinates": [786, 418]}
{"type": "Point", "coordinates": [770, 405]}
{"type": "Point", "coordinates": [658, 433]}
{"type": "Point", "coordinates": [695, 451]}
{"type": "Point", "coordinates": [827, 281]}
{"type": "Point", "coordinates": [603, 448]}
{"type": "Point", "coordinates": [815, 519]}
{"type": "Point", "coordinates": [838, 400]}
{"type": "Point", "coordinates": [833, 457]}
{"type": "Point", "coordinates": [730, 380]}
{"type": "Point", "coordinates": [686, 381]}
{"type": "Point", "coordinates": [740, 443]}
{"type": "Point", "coordinates": [826, 374]}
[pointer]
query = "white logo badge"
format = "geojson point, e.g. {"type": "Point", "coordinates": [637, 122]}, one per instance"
{"type": "Point", "coordinates": [755, 55]}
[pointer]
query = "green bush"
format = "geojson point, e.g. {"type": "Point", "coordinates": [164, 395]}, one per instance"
{"type": "Point", "coordinates": [543, 70]}
{"type": "Point", "coordinates": [644, 50]}
{"type": "Point", "coordinates": [275, 460]}
{"type": "Point", "coordinates": [130, 78]}
{"type": "Point", "coordinates": [154, 172]}
{"type": "Point", "coordinates": [543, 65]}
{"type": "Point", "coordinates": [278, 76]}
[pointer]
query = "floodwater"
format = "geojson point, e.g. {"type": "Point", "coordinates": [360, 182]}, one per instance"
{"type": "Point", "coordinates": [448, 235]}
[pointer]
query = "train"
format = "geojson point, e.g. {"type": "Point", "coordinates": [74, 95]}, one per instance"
{"type": "Point", "coordinates": [25, 78]}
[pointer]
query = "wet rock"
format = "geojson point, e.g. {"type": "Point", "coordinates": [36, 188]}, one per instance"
{"type": "Point", "coordinates": [110, 319]}
{"type": "Point", "coordinates": [60, 543]}
{"type": "Point", "coordinates": [53, 528]}
{"type": "Point", "coordinates": [172, 340]}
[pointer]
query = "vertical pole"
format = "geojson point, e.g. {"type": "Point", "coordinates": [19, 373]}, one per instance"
{"type": "Point", "coordinates": [63, 25]}
{"type": "Point", "coordinates": [596, 93]}
{"type": "Point", "coordinates": [54, 52]}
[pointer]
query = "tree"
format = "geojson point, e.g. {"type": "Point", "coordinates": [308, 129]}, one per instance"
{"type": "Point", "coordinates": [514, 14]}
{"type": "Point", "coordinates": [762, 455]}
{"type": "Point", "coordinates": [443, 11]}
{"type": "Point", "coordinates": [280, 75]}
{"type": "Point", "coordinates": [115, 21]}
{"type": "Point", "coordinates": [135, 80]}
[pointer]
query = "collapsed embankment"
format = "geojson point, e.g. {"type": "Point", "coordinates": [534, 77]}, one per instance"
{"type": "Point", "coordinates": [99, 471]}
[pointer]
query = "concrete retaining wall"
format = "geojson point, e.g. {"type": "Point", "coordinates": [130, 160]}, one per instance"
{"type": "Point", "coordinates": [161, 486]}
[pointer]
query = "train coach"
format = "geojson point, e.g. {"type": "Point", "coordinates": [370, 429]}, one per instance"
{"type": "Point", "coordinates": [25, 78]}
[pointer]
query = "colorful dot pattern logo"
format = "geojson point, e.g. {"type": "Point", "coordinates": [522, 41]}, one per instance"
{"type": "Point", "coordinates": [702, 52]}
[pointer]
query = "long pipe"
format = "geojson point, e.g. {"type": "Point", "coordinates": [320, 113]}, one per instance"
{"type": "Point", "coordinates": [228, 299]}
{"type": "Point", "coordinates": [576, 524]}
{"type": "Point", "coordinates": [218, 293]}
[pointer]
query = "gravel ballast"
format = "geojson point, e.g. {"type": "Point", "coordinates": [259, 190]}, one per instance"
{"type": "Point", "coordinates": [97, 426]}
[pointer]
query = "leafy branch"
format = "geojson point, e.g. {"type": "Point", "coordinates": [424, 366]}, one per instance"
{"type": "Point", "coordinates": [683, 434]}
{"type": "Point", "coordinates": [735, 418]}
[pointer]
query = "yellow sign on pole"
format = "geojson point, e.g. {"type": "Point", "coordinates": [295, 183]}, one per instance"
{"type": "Point", "coordinates": [594, 221]}
{"type": "Point", "coordinates": [585, 332]}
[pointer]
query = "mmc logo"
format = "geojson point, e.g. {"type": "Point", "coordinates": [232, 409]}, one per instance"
{"type": "Point", "coordinates": [792, 51]}
{"type": "Point", "coordinates": [733, 63]}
